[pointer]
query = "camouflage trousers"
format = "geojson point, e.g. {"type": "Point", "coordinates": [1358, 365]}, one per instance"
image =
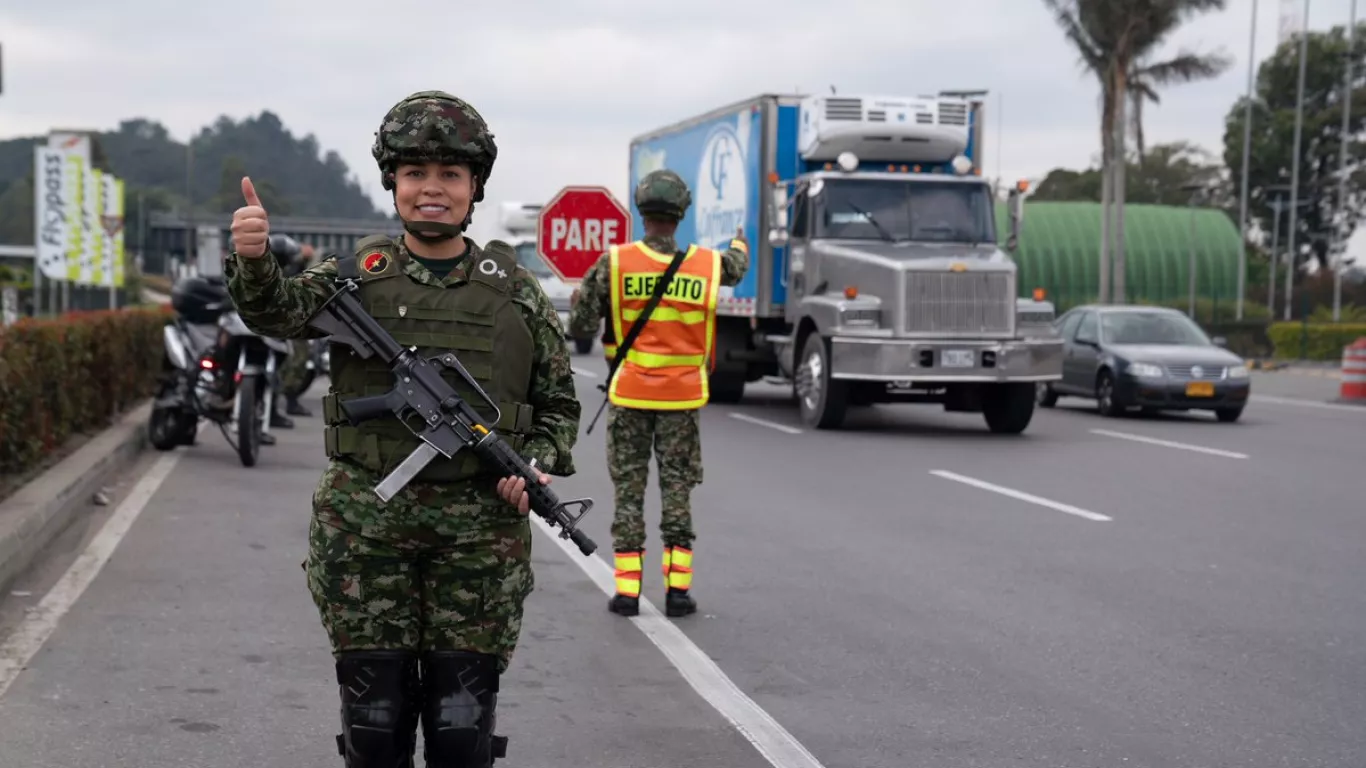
{"type": "Point", "coordinates": [440, 567]}
{"type": "Point", "coordinates": [294, 370]}
{"type": "Point", "coordinates": [674, 437]}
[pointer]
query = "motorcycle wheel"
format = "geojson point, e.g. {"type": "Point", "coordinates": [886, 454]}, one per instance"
{"type": "Point", "coordinates": [248, 422]}
{"type": "Point", "coordinates": [163, 429]}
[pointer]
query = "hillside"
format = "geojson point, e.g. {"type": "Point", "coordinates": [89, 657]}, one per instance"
{"type": "Point", "coordinates": [293, 175]}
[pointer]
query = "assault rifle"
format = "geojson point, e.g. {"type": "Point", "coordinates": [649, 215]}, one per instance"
{"type": "Point", "coordinates": [433, 411]}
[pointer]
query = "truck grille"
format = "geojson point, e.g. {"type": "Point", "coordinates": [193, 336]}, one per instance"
{"type": "Point", "coordinates": [960, 302]}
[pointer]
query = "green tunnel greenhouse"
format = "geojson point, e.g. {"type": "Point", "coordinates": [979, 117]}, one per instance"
{"type": "Point", "coordinates": [1059, 243]}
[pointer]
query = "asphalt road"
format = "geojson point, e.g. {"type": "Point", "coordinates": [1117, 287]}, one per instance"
{"type": "Point", "coordinates": [1155, 591]}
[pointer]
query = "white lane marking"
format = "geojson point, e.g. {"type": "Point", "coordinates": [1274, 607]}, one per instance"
{"type": "Point", "coordinates": [765, 423]}
{"type": "Point", "coordinates": [1170, 444]}
{"type": "Point", "coordinates": [583, 372]}
{"type": "Point", "coordinates": [42, 620]}
{"type": "Point", "coordinates": [772, 741]}
{"type": "Point", "coordinates": [1299, 403]}
{"type": "Point", "coordinates": [1021, 495]}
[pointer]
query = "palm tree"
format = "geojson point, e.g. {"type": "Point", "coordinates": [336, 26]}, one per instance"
{"type": "Point", "coordinates": [1115, 39]}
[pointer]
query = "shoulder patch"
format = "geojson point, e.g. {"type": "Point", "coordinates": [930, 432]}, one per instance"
{"type": "Point", "coordinates": [494, 266]}
{"type": "Point", "coordinates": [374, 256]}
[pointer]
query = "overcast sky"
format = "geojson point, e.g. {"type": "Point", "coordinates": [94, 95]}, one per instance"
{"type": "Point", "coordinates": [566, 84]}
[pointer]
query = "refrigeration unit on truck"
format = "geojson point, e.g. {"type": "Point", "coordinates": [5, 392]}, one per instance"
{"type": "Point", "coordinates": [518, 221]}
{"type": "Point", "coordinates": [876, 273]}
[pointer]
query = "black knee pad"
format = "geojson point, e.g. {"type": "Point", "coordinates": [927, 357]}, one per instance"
{"type": "Point", "coordinates": [380, 703]}
{"type": "Point", "coordinates": [460, 694]}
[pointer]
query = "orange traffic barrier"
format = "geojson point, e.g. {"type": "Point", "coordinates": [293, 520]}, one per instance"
{"type": "Point", "coordinates": [1354, 371]}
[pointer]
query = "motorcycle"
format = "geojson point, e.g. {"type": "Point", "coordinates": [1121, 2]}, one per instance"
{"type": "Point", "coordinates": [215, 369]}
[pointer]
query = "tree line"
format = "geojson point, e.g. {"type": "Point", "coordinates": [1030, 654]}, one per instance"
{"type": "Point", "coordinates": [293, 175]}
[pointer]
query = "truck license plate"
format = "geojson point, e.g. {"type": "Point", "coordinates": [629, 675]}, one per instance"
{"type": "Point", "coordinates": [957, 358]}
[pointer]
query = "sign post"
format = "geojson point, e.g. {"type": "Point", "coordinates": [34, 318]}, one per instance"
{"type": "Point", "coordinates": [577, 226]}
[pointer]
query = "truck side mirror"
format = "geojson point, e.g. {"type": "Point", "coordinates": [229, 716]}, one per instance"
{"type": "Point", "coordinates": [778, 234]}
{"type": "Point", "coordinates": [1015, 207]}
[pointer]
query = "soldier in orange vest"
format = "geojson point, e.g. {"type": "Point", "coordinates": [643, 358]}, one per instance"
{"type": "Point", "coordinates": [661, 383]}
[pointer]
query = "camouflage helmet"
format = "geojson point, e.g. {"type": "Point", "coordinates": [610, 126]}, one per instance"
{"type": "Point", "coordinates": [663, 192]}
{"type": "Point", "coordinates": [434, 126]}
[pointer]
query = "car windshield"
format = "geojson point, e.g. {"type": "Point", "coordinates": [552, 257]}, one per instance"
{"type": "Point", "coordinates": [1151, 328]}
{"type": "Point", "coordinates": [529, 258]}
{"type": "Point", "coordinates": [906, 211]}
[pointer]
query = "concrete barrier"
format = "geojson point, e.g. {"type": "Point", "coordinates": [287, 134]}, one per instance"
{"type": "Point", "coordinates": [42, 509]}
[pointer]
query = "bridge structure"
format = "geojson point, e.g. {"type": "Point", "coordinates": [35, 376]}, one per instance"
{"type": "Point", "coordinates": [169, 237]}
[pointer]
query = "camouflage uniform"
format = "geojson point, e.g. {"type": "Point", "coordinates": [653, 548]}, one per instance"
{"type": "Point", "coordinates": [633, 434]}
{"type": "Point", "coordinates": [422, 597]}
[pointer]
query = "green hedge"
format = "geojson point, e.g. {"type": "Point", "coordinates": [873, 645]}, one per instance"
{"type": "Point", "coordinates": [71, 375]}
{"type": "Point", "coordinates": [1313, 341]}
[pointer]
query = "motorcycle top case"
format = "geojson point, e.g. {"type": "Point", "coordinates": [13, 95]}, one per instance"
{"type": "Point", "coordinates": [200, 300]}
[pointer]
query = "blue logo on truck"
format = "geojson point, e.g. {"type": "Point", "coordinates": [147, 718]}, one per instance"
{"type": "Point", "coordinates": [722, 194]}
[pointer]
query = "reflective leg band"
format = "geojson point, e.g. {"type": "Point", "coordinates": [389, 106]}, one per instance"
{"type": "Point", "coordinates": [677, 567]}
{"type": "Point", "coordinates": [627, 571]}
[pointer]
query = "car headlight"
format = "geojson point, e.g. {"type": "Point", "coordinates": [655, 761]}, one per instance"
{"type": "Point", "coordinates": [1146, 370]}
{"type": "Point", "coordinates": [1237, 372]}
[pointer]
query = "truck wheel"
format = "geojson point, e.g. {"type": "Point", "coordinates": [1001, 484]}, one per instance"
{"type": "Point", "coordinates": [1008, 408]}
{"type": "Point", "coordinates": [823, 401]}
{"type": "Point", "coordinates": [726, 386]}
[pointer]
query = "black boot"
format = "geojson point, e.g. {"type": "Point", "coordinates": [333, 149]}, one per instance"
{"type": "Point", "coordinates": [624, 605]}
{"type": "Point", "coordinates": [279, 420]}
{"type": "Point", "coordinates": [295, 408]}
{"type": "Point", "coordinates": [679, 603]}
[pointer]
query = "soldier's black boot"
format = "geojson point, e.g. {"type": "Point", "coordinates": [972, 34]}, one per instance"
{"type": "Point", "coordinates": [280, 421]}
{"type": "Point", "coordinates": [626, 568]}
{"type": "Point", "coordinates": [677, 567]}
{"type": "Point", "coordinates": [677, 602]}
{"type": "Point", "coordinates": [295, 408]}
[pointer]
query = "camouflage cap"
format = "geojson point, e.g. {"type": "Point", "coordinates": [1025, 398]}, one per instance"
{"type": "Point", "coordinates": [663, 192]}
{"type": "Point", "coordinates": [434, 126]}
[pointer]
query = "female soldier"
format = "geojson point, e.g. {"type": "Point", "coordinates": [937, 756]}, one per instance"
{"type": "Point", "coordinates": [422, 597]}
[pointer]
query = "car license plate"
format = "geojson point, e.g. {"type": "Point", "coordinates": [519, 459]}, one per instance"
{"type": "Point", "coordinates": [1200, 389]}
{"type": "Point", "coordinates": [957, 358]}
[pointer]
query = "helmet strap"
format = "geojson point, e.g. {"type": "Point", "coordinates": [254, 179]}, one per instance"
{"type": "Point", "coordinates": [435, 231]}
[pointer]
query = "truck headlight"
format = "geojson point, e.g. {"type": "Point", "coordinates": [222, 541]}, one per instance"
{"type": "Point", "coordinates": [860, 318]}
{"type": "Point", "coordinates": [1146, 370]}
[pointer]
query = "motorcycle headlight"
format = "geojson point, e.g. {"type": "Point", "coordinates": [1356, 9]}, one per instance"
{"type": "Point", "coordinates": [1146, 370]}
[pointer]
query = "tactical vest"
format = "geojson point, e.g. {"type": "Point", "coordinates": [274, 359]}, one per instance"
{"type": "Point", "coordinates": [477, 320]}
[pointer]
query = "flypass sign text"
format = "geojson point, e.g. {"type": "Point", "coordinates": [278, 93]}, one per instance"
{"type": "Point", "coordinates": [78, 218]}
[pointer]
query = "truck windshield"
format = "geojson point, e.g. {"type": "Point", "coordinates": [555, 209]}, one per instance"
{"type": "Point", "coordinates": [529, 258]}
{"type": "Point", "coordinates": [914, 210]}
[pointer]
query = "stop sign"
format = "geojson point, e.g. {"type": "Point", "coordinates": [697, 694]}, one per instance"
{"type": "Point", "coordinates": [577, 226]}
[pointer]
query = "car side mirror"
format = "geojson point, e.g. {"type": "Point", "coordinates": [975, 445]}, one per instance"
{"type": "Point", "coordinates": [1220, 341]}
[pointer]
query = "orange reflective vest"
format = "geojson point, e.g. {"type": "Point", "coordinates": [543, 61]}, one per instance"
{"type": "Point", "coordinates": [667, 366]}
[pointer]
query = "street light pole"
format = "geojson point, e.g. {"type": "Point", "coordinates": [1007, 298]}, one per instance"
{"type": "Point", "coordinates": [1247, 155]}
{"type": "Point", "coordinates": [1342, 160]}
{"type": "Point", "coordinates": [1295, 168]}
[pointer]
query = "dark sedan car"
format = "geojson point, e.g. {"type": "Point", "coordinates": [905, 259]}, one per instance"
{"type": "Point", "coordinates": [1148, 357]}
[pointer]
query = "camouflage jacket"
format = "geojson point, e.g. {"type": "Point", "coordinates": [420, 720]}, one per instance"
{"type": "Point", "coordinates": [273, 305]}
{"type": "Point", "coordinates": [595, 292]}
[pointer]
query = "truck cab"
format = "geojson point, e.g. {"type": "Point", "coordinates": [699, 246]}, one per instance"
{"type": "Point", "coordinates": [898, 284]}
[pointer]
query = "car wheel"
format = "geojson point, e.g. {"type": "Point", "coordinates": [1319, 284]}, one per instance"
{"type": "Point", "coordinates": [1044, 394]}
{"type": "Point", "coordinates": [1105, 395]}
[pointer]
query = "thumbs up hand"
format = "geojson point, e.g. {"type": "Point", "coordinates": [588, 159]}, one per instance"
{"type": "Point", "coordinates": [250, 226]}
